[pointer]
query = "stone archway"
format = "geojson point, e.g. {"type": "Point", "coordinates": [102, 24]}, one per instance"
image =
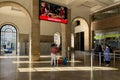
{"type": "Point", "coordinates": [80, 27]}
{"type": "Point", "coordinates": [16, 6]}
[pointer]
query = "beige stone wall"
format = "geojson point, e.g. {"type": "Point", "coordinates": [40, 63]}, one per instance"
{"type": "Point", "coordinates": [24, 44]}
{"type": "Point", "coordinates": [45, 48]}
{"type": "Point", "coordinates": [46, 38]}
{"type": "Point", "coordinates": [27, 4]}
{"type": "Point", "coordinates": [45, 44]}
{"type": "Point", "coordinates": [80, 12]}
{"type": "Point", "coordinates": [49, 28]}
{"type": "Point", "coordinates": [21, 23]}
{"type": "Point", "coordinates": [23, 37]}
{"type": "Point", "coordinates": [83, 27]}
{"type": "Point", "coordinates": [107, 23]}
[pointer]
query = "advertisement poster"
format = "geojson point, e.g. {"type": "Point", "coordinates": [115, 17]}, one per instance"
{"type": "Point", "coordinates": [52, 12]}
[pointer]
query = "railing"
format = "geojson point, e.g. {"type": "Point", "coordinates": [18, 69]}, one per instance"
{"type": "Point", "coordinates": [92, 54]}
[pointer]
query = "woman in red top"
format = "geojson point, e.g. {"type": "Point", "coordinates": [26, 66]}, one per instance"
{"type": "Point", "coordinates": [53, 54]}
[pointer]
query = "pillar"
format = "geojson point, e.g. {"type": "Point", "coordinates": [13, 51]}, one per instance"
{"type": "Point", "coordinates": [66, 35]}
{"type": "Point", "coordinates": [63, 33]}
{"type": "Point", "coordinates": [68, 29]}
{"type": "Point", "coordinates": [35, 33]}
{"type": "Point", "coordinates": [90, 33]}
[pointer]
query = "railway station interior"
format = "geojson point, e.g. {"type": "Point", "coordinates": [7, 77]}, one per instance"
{"type": "Point", "coordinates": [29, 27]}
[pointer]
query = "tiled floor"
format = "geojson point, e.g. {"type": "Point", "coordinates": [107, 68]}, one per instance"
{"type": "Point", "coordinates": [20, 68]}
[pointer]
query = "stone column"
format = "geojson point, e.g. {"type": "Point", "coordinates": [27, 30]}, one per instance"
{"type": "Point", "coordinates": [90, 33]}
{"type": "Point", "coordinates": [68, 29]}
{"type": "Point", "coordinates": [66, 35]}
{"type": "Point", "coordinates": [35, 33]}
{"type": "Point", "coordinates": [63, 33]}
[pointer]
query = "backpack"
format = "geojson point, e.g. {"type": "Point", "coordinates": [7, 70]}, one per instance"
{"type": "Point", "coordinates": [64, 62]}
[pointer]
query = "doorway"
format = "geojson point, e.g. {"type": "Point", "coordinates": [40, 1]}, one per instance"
{"type": "Point", "coordinates": [8, 39]}
{"type": "Point", "coordinates": [79, 41]}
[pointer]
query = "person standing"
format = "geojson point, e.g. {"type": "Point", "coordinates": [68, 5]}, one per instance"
{"type": "Point", "coordinates": [54, 51]}
{"type": "Point", "coordinates": [107, 55]}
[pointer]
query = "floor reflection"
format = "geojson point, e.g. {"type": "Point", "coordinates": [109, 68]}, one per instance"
{"type": "Point", "coordinates": [22, 68]}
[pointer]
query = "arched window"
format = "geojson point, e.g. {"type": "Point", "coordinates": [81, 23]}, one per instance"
{"type": "Point", "coordinates": [8, 38]}
{"type": "Point", "coordinates": [57, 39]}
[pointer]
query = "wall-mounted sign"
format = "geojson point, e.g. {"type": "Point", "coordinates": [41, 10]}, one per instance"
{"type": "Point", "coordinates": [52, 12]}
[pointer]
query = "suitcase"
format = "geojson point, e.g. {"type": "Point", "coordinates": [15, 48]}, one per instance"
{"type": "Point", "coordinates": [59, 61]}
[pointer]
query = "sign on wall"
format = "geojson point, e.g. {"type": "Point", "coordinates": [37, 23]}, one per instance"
{"type": "Point", "coordinates": [52, 12]}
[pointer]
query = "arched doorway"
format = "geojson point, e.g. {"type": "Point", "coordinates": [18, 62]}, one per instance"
{"type": "Point", "coordinates": [19, 18]}
{"type": "Point", "coordinates": [8, 39]}
{"type": "Point", "coordinates": [57, 39]}
{"type": "Point", "coordinates": [80, 32]}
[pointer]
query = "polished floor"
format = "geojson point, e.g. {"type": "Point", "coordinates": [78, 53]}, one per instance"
{"type": "Point", "coordinates": [13, 67]}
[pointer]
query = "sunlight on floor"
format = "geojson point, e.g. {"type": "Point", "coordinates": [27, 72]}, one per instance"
{"type": "Point", "coordinates": [48, 69]}
{"type": "Point", "coordinates": [38, 61]}
{"type": "Point", "coordinates": [31, 62]}
{"type": "Point", "coordinates": [14, 56]}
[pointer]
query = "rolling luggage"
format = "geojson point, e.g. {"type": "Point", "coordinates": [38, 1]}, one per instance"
{"type": "Point", "coordinates": [59, 61]}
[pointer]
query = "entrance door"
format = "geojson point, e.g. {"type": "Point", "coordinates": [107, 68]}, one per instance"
{"type": "Point", "coordinates": [8, 39]}
{"type": "Point", "coordinates": [79, 41]}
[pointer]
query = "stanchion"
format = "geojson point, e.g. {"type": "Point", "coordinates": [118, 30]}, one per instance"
{"type": "Point", "coordinates": [84, 57]}
{"type": "Point", "coordinates": [100, 58]}
{"type": "Point", "coordinates": [114, 57]}
{"type": "Point", "coordinates": [91, 67]}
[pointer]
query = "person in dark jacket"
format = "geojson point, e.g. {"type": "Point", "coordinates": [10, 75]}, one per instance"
{"type": "Point", "coordinates": [98, 50]}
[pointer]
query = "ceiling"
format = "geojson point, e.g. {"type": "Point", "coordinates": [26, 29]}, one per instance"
{"type": "Point", "coordinates": [93, 5]}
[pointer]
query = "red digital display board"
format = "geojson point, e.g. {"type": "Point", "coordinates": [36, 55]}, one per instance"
{"type": "Point", "coordinates": [52, 12]}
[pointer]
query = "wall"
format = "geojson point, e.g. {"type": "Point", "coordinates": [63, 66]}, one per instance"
{"type": "Point", "coordinates": [26, 3]}
{"type": "Point", "coordinates": [49, 28]}
{"type": "Point", "coordinates": [45, 48]}
{"type": "Point", "coordinates": [22, 23]}
{"type": "Point", "coordinates": [107, 23]}
{"type": "Point", "coordinates": [81, 12]}
{"type": "Point", "coordinates": [83, 27]}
